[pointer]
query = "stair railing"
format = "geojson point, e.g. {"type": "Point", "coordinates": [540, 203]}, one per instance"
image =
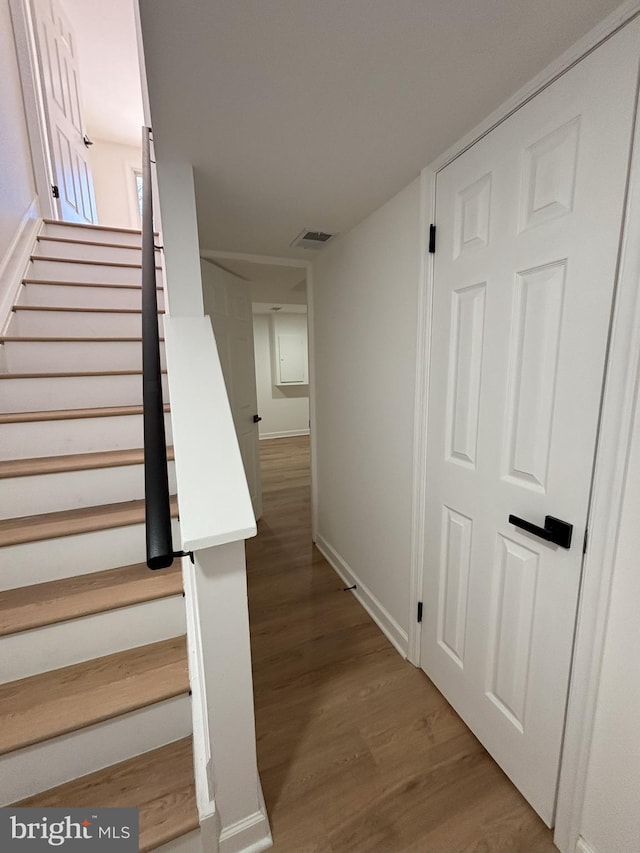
{"type": "Point", "coordinates": [160, 553]}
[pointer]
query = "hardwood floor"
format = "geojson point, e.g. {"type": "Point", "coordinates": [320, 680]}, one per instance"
{"type": "Point", "coordinates": [357, 750]}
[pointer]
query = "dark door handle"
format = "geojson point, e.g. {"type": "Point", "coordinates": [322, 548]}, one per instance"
{"type": "Point", "coordinates": [554, 530]}
{"type": "Point", "coordinates": [256, 419]}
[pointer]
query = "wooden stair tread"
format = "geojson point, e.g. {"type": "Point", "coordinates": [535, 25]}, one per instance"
{"type": "Point", "coordinates": [160, 783]}
{"type": "Point", "coordinates": [69, 373]}
{"type": "Point", "coordinates": [90, 227]}
{"type": "Point", "coordinates": [54, 339]}
{"type": "Point", "coordinates": [46, 238]}
{"type": "Point", "coordinates": [73, 462]}
{"type": "Point", "coordinates": [70, 522]}
{"type": "Point", "coordinates": [71, 414]}
{"type": "Point", "coordinates": [71, 598]}
{"type": "Point", "coordinates": [88, 262]}
{"type": "Point", "coordinates": [83, 284]}
{"type": "Point", "coordinates": [54, 703]}
{"type": "Point", "coordinates": [74, 309]}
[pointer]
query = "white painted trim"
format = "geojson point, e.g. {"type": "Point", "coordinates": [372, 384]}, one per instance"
{"type": "Point", "coordinates": [583, 847]}
{"type": "Point", "coordinates": [619, 408]}
{"type": "Point", "coordinates": [285, 434]}
{"type": "Point", "coordinates": [215, 506]}
{"type": "Point", "coordinates": [419, 484]}
{"type": "Point", "coordinates": [35, 113]}
{"type": "Point", "coordinates": [144, 85]}
{"type": "Point", "coordinates": [255, 259]}
{"type": "Point", "coordinates": [311, 348]}
{"type": "Point", "coordinates": [197, 682]}
{"type": "Point", "coordinates": [252, 834]}
{"type": "Point", "coordinates": [396, 635]}
{"type": "Point", "coordinates": [622, 16]}
{"type": "Point", "coordinates": [15, 261]}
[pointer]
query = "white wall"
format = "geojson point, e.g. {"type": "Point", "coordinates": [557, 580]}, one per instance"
{"type": "Point", "coordinates": [365, 293]}
{"type": "Point", "coordinates": [113, 183]}
{"type": "Point", "coordinates": [611, 813]}
{"type": "Point", "coordinates": [280, 294]}
{"type": "Point", "coordinates": [284, 411]}
{"type": "Point", "coordinates": [17, 188]}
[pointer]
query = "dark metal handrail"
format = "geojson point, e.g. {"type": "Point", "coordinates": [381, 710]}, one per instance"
{"type": "Point", "coordinates": [160, 552]}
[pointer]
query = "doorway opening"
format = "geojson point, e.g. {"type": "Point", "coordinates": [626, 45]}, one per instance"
{"type": "Point", "coordinates": [84, 122]}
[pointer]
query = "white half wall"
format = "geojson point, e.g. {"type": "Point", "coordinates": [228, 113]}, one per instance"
{"type": "Point", "coordinates": [17, 185]}
{"type": "Point", "coordinates": [610, 815]}
{"type": "Point", "coordinates": [284, 410]}
{"type": "Point", "coordinates": [365, 296]}
{"type": "Point", "coordinates": [112, 165]}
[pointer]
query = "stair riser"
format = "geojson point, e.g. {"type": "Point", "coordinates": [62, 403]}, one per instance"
{"type": "Point", "coordinates": [30, 356]}
{"type": "Point", "coordinates": [61, 271]}
{"type": "Point", "coordinates": [28, 771]}
{"type": "Point", "coordinates": [76, 296]}
{"type": "Point", "coordinates": [191, 843]}
{"type": "Point", "coordinates": [72, 392]}
{"type": "Point", "coordinates": [83, 251]}
{"type": "Point", "coordinates": [52, 559]}
{"type": "Point", "coordinates": [81, 435]}
{"type": "Point", "coordinates": [77, 324]}
{"type": "Point", "coordinates": [94, 235]}
{"type": "Point", "coordinates": [22, 496]}
{"type": "Point", "coordinates": [78, 640]}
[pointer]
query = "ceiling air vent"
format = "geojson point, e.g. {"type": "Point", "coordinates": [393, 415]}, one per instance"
{"type": "Point", "coordinates": [311, 239]}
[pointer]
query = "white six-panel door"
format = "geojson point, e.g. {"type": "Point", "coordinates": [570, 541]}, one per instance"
{"type": "Point", "coordinates": [528, 223]}
{"type": "Point", "coordinates": [62, 101]}
{"type": "Point", "coordinates": [232, 319]}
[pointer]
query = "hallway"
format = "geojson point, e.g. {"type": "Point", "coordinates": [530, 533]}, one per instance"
{"type": "Point", "coordinates": [357, 750]}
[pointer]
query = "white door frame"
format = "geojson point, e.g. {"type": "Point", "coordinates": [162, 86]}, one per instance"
{"type": "Point", "coordinates": [623, 370]}
{"type": "Point", "coordinates": [308, 268]}
{"type": "Point", "coordinates": [32, 93]}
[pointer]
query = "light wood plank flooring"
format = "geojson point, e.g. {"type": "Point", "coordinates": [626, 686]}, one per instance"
{"type": "Point", "coordinates": [358, 752]}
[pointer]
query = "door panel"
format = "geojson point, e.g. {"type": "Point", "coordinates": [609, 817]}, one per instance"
{"type": "Point", "coordinates": [58, 61]}
{"type": "Point", "coordinates": [528, 227]}
{"type": "Point", "coordinates": [229, 304]}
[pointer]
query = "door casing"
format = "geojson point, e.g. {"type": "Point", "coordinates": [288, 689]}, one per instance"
{"type": "Point", "coordinates": [622, 373]}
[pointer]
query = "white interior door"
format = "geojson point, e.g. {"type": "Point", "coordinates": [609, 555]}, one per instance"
{"type": "Point", "coordinates": [62, 104]}
{"type": "Point", "coordinates": [528, 223]}
{"type": "Point", "coordinates": [232, 319]}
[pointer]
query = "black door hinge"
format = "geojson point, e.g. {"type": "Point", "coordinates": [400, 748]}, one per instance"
{"type": "Point", "coordinates": [419, 611]}
{"type": "Point", "coordinates": [584, 542]}
{"type": "Point", "coordinates": [55, 192]}
{"type": "Point", "coordinates": [432, 239]}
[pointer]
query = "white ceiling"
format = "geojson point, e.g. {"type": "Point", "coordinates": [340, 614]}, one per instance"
{"type": "Point", "coordinates": [267, 308]}
{"type": "Point", "coordinates": [312, 113]}
{"type": "Point", "coordinates": [108, 67]}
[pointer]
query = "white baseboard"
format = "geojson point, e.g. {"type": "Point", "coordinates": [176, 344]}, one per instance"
{"type": "Point", "coordinates": [396, 635]}
{"type": "Point", "coordinates": [15, 260]}
{"type": "Point", "coordinates": [285, 434]}
{"type": "Point", "coordinates": [583, 847]}
{"type": "Point", "coordinates": [252, 834]}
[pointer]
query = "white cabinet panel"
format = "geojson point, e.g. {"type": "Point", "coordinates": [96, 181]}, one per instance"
{"type": "Point", "coordinates": [290, 358]}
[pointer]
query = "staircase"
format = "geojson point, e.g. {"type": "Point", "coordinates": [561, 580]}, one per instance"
{"type": "Point", "coordinates": [94, 689]}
